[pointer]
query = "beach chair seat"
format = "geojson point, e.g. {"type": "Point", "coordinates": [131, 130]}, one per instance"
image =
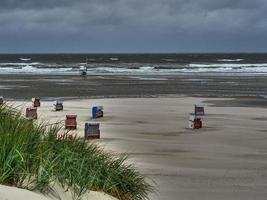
{"type": "Point", "coordinates": [31, 113]}
{"type": "Point", "coordinates": [71, 122]}
{"type": "Point", "coordinates": [97, 112]}
{"type": "Point", "coordinates": [199, 109]}
{"type": "Point", "coordinates": [195, 121]}
{"type": "Point", "coordinates": [91, 131]}
{"type": "Point", "coordinates": [58, 105]}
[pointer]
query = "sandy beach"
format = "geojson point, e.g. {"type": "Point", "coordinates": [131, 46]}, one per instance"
{"type": "Point", "coordinates": [148, 64]}
{"type": "Point", "coordinates": [224, 160]}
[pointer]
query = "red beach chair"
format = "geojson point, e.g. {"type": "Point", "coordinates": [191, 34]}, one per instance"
{"type": "Point", "coordinates": [71, 122]}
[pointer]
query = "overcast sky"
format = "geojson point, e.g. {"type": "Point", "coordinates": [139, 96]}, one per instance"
{"type": "Point", "coordinates": [133, 26]}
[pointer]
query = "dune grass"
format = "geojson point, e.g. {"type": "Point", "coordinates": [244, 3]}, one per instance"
{"type": "Point", "coordinates": [32, 158]}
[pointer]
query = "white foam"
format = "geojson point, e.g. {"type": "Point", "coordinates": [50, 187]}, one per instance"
{"type": "Point", "coordinates": [152, 69]}
{"type": "Point", "coordinates": [122, 70]}
{"type": "Point", "coordinates": [28, 69]}
{"type": "Point", "coordinates": [110, 70]}
{"type": "Point", "coordinates": [19, 64]}
{"type": "Point", "coordinates": [146, 68]}
{"type": "Point", "coordinates": [25, 59]}
{"type": "Point", "coordinates": [149, 78]}
{"type": "Point", "coordinates": [230, 60]}
{"type": "Point", "coordinates": [233, 65]}
{"type": "Point", "coordinates": [82, 68]}
{"type": "Point", "coordinates": [114, 59]}
{"type": "Point", "coordinates": [193, 68]}
{"type": "Point", "coordinates": [168, 60]}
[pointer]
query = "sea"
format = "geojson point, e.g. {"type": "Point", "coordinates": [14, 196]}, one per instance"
{"type": "Point", "coordinates": [237, 64]}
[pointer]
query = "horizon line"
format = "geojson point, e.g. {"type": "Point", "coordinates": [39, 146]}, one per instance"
{"type": "Point", "coordinates": [256, 52]}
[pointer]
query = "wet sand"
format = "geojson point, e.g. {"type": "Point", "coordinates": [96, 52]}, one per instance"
{"type": "Point", "coordinates": [201, 84]}
{"type": "Point", "coordinates": [227, 159]}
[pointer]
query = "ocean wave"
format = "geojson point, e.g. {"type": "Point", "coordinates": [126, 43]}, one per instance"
{"type": "Point", "coordinates": [19, 64]}
{"type": "Point", "coordinates": [35, 64]}
{"type": "Point", "coordinates": [163, 67]}
{"type": "Point", "coordinates": [124, 69]}
{"type": "Point", "coordinates": [230, 68]}
{"type": "Point", "coordinates": [120, 70]}
{"type": "Point", "coordinates": [25, 59]}
{"type": "Point", "coordinates": [168, 60]}
{"type": "Point", "coordinates": [230, 60]}
{"type": "Point", "coordinates": [219, 69]}
{"type": "Point", "coordinates": [133, 67]}
{"type": "Point", "coordinates": [28, 69]}
{"type": "Point", "coordinates": [233, 65]}
{"type": "Point", "coordinates": [114, 59]}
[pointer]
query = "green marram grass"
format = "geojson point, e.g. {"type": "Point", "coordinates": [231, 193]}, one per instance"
{"type": "Point", "coordinates": [32, 158]}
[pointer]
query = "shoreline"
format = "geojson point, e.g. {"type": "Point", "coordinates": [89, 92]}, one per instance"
{"type": "Point", "coordinates": [218, 101]}
{"type": "Point", "coordinates": [28, 86]}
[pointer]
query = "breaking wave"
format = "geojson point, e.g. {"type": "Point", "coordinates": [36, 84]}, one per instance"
{"type": "Point", "coordinates": [25, 59]}
{"type": "Point", "coordinates": [114, 59]}
{"type": "Point", "coordinates": [230, 60]}
{"type": "Point", "coordinates": [28, 69]}
{"type": "Point", "coordinates": [130, 69]}
{"type": "Point", "coordinates": [234, 65]}
{"type": "Point", "coordinates": [19, 64]}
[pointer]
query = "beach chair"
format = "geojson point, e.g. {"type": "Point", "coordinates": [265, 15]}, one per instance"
{"type": "Point", "coordinates": [64, 136]}
{"type": "Point", "coordinates": [199, 109]}
{"type": "Point", "coordinates": [1, 100]}
{"type": "Point", "coordinates": [36, 102]}
{"type": "Point", "coordinates": [31, 113]}
{"type": "Point", "coordinates": [91, 131]}
{"type": "Point", "coordinates": [71, 122]}
{"type": "Point", "coordinates": [195, 121]}
{"type": "Point", "coordinates": [58, 105]}
{"type": "Point", "coordinates": [97, 112]}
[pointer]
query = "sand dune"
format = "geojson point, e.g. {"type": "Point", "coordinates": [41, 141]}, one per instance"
{"type": "Point", "coordinates": [13, 193]}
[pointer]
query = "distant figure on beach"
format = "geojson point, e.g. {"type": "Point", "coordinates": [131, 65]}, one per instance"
{"type": "Point", "coordinates": [83, 70]}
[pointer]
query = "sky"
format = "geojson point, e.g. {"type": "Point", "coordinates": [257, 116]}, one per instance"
{"type": "Point", "coordinates": [132, 26]}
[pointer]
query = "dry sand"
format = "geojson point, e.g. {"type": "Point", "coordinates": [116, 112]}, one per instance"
{"type": "Point", "coordinates": [227, 159]}
{"type": "Point", "coordinates": [13, 193]}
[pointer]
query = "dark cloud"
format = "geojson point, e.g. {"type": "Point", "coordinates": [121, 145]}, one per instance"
{"type": "Point", "coordinates": [133, 25]}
